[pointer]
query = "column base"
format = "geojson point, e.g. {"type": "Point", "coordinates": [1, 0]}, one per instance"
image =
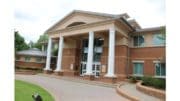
{"type": "Point", "coordinates": [89, 77]}
{"type": "Point", "coordinates": [58, 73]}
{"type": "Point", "coordinates": [109, 79]}
{"type": "Point", "coordinates": [47, 71]}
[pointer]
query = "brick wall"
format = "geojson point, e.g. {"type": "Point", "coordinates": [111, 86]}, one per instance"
{"type": "Point", "coordinates": [69, 57]}
{"type": "Point", "coordinates": [32, 65]}
{"type": "Point", "coordinates": [120, 58]}
{"type": "Point", "coordinates": [148, 55]}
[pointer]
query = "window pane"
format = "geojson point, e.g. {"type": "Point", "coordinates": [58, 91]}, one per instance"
{"type": "Point", "coordinates": [157, 65]}
{"type": "Point", "coordinates": [135, 38]}
{"type": "Point", "coordinates": [97, 57]}
{"type": "Point", "coordinates": [138, 68]}
{"type": "Point", "coordinates": [141, 41]}
{"type": "Point", "coordinates": [138, 40]}
{"type": "Point", "coordinates": [163, 69]}
{"type": "Point", "coordinates": [158, 39]}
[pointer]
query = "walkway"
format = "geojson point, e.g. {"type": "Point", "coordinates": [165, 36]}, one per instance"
{"type": "Point", "coordinates": [131, 89]}
{"type": "Point", "coordinates": [64, 90]}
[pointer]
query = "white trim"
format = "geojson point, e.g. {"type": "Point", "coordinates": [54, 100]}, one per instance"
{"type": "Point", "coordinates": [160, 77]}
{"type": "Point", "coordinates": [138, 75]}
{"type": "Point", "coordinates": [137, 61]}
{"type": "Point", "coordinates": [156, 61]}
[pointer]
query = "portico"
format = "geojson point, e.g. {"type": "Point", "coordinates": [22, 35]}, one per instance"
{"type": "Point", "coordinates": [92, 61]}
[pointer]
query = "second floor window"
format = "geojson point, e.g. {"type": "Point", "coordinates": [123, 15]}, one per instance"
{"type": "Point", "coordinates": [158, 39]}
{"type": "Point", "coordinates": [138, 40]}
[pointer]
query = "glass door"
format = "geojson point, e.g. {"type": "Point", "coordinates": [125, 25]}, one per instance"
{"type": "Point", "coordinates": [96, 69]}
{"type": "Point", "coordinates": [83, 68]}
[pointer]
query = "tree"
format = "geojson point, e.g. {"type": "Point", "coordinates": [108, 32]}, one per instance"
{"type": "Point", "coordinates": [31, 44]}
{"type": "Point", "coordinates": [20, 44]}
{"type": "Point", "coordinates": [42, 39]}
{"type": "Point", "coordinates": [163, 34]}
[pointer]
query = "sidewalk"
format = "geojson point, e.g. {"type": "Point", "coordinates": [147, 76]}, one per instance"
{"type": "Point", "coordinates": [131, 89]}
{"type": "Point", "coordinates": [64, 90]}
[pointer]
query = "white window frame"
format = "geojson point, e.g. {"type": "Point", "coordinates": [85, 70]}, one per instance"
{"type": "Point", "coordinates": [138, 61]}
{"type": "Point", "coordinates": [158, 76]}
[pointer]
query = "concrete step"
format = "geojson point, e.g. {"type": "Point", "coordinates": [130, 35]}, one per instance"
{"type": "Point", "coordinates": [81, 80]}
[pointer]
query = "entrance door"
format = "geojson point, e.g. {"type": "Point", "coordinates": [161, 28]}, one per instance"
{"type": "Point", "coordinates": [95, 69]}
{"type": "Point", "coordinates": [83, 68]}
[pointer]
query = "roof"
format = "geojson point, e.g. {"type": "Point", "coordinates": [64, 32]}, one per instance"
{"type": "Point", "coordinates": [111, 16]}
{"type": "Point", "coordinates": [32, 52]}
{"type": "Point", "coordinates": [103, 14]}
{"type": "Point", "coordinates": [149, 29]}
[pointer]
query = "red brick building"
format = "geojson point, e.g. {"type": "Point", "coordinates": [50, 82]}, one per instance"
{"type": "Point", "coordinates": [106, 46]}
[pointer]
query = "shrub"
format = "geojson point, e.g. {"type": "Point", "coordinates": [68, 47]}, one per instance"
{"type": "Point", "coordinates": [154, 82]}
{"type": "Point", "coordinates": [133, 79]}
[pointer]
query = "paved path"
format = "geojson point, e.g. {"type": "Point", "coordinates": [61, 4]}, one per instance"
{"type": "Point", "coordinates": [72, 91]}
{"type": "Point", "coordinates": [131, 89]}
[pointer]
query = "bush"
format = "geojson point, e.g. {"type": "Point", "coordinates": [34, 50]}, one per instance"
{"type": "Point", "coordinates": [154, 82]}
{"type": "Point", "coordinates": [133, 79]}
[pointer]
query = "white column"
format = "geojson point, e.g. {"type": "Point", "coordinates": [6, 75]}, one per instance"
{"type": "Point", "coordinates": [48, 58]}
{"type": "Point", "coordinates": [42, 48]}
{"type": "Point", "coordinates": [111, 57]}
{"type": "Point", "coordinates": [60, 51]}
{"type": "Point", "coordinates": [90, 54]}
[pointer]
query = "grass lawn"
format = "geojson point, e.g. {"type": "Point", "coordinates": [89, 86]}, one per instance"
{"type": "Point", "coordinates": [24, 91]}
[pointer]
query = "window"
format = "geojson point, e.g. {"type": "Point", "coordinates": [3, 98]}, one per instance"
{"type": "Point", "coordinates": [158, 39]}
{"type": "Point", "coordinates": [98, 42]}
{"type": "Point", "coordinates": [38, 59]}
{"type": "Point", "coordinates": [97, 57]}
{"type": "Point", "coordinates": [138, 40]}
{"type": "Point", "coordinates": [84, 57]}
{"type": "Point", "coordinates": [27, 58]}
{"type": "Point", "coordinates": [85, 43]}
{"type": "Point", "coordinates": [160, 69]}
{"type": "Point", "coordinates": [138, 69]}
{"type": "Point", "coordinates": [17, 57]}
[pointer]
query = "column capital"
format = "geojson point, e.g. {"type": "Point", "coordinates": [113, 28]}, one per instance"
{"type": "Point", "coordinates": [112, 29]}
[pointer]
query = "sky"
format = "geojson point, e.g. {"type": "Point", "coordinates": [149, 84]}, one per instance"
{"type": "Point", "coordinates": [34, 17]}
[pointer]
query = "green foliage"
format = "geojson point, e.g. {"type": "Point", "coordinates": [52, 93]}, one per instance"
{"type": "Point", "coordinates": [42, 39]}
{"type": "Point", "coordinates": [163, 33]}
{"type": "Point", "coordinates": [133, 79]}
{"type": "Point", "coordinates": [154, 82]}
{"type": "Point", "coordinates": [20, 44]}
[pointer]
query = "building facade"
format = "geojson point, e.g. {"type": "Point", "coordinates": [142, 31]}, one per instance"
{"type": "Point", "coordinates": [105, 47]}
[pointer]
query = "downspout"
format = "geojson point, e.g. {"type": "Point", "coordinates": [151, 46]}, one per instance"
{"type": "Point", "coordinates": [128, 55]}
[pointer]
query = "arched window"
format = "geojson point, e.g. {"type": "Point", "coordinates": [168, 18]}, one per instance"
{"type": "Point", "coordinates": [75, 23]}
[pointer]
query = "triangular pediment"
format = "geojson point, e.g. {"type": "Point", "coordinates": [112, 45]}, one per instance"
{"type": "Point", "coordinates": [79, 17]}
